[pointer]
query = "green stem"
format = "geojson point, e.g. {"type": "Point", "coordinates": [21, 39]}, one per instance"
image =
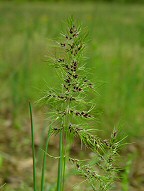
{"type": "Point", "coordinates": [33, 148]}
{"type": "Point", "coordinates": [44, 160]}
{"type": "Point", "coordinates": [60, 181]}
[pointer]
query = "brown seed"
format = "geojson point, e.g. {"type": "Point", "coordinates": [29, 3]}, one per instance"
{"type": "Point", "coordinates": [55, 129]}
{"type": "Point", "coordinates": [115, 133]}
{"type": "Point", "coordinates": [69, 73]}
{"type": "Point", "coordinates": [62, 44]}
{"type": "Point", "coordinates": [66, 66]}
{"type": "Point", "coordinates": [66, 87]}
{"type": "Point", "coordinates": [77, 113]}
{"type": "Point", "coordinates": [72, 98]}
{"type": "Point", "coordinates": [75, 63]}
{"type": "Point", "coordinates": [75, 76]}
{"type": "Point", "coordinates": [85, 115]}
{"type": "Point", "coordinates": [60, 60]}
{"type": "Point", "coordinates": [71, 30]}
{"type": "Point", "coordinates": [79, 48]}
{"type": "Point", "coordinates": [78, 166]}
{"type": "Point", "coordinates": [67, 80]}
{"type": "Point", "coordinates": [106, 142]}
{"type": "Point", "coordinates": [75, 35]}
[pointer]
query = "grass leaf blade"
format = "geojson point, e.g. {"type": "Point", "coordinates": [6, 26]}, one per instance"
{"type": "Point", "coordinates": [60, 165]}
{"type": "Point", "coordinates": [44, 160]}
{"type": "Point", "coordinates": [33, 148]}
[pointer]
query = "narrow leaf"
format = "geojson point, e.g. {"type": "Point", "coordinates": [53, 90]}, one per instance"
{"type": "Point", "coordinates": [44, 160]}
{"type": "Point", "coordinates": [33, 148]}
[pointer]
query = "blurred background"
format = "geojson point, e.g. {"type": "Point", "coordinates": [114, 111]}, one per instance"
{"type": "Point", "coordinates": [115, 56]}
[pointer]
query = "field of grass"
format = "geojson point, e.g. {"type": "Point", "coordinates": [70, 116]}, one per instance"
{"type": "Point", "coordinates": [114, 51]}
{"type": "Point", "coordinates": [115, 57]}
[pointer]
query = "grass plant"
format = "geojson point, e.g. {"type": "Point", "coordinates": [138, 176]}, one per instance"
{"type": "Point", "coordinates": [116, 57]}
{"type": "Point", "coordinates": [71, 113]}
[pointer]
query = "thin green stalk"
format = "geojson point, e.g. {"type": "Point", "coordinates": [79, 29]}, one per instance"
{"type": "Point", "coordinates": [64, 167]}
{"type": "Point", "coordinates": [33, 148]}
{"type": "Point", "coordinates": [44, 160]}
{"type": "Point", "coordinates": [60, 179]}
{"type": "Point", "coordinates": [66, 146]}
{"type": "Point", "coordinates": [2, 186]}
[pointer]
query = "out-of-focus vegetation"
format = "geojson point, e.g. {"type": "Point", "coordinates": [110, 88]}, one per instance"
{"type": "Point", "coordinates": [109, 1]}
{"type": "Point", "coordinates": [115, 55]}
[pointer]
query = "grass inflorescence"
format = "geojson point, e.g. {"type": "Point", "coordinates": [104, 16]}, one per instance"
{"type": "Point", "coordinates": [71, 114]}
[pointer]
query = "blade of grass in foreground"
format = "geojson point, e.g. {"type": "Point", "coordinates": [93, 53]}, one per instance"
{"type": "Point", "coordinates": [60, 179]}
{"type": "Point", "coordinates": [33, 148]}
{"type": "Point", "coordinates": [44, 160]}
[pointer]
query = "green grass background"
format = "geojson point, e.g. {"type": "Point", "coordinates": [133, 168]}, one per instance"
{"type": "Point", "coordinates": [115, 52]}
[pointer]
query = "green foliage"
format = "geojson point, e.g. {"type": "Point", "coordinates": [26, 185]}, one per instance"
{"type": "Point", "coordinates": [115, 50]}
{"type": "Point", "coordinates": [109, 1]}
